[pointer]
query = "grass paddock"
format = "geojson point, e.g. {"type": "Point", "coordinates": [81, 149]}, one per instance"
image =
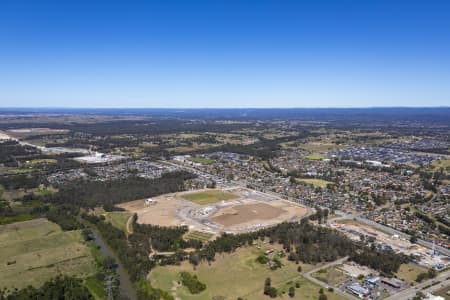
{"type": "Point", "coordinates": [209, 196]}
{"type": "Point", "coordinates": [238, 275]}
{"type": "Point", "coordinates": [34, 251]}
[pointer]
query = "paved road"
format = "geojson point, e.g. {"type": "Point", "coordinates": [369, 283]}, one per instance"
{"type": "Point", "coordinates": [308, 275]}
{"type": "Point", "coordinates": [409, 293]}
{"type": "Point", "coordinates": [390, 230]}
{"type": "Point", "coordinates": [436, 287]}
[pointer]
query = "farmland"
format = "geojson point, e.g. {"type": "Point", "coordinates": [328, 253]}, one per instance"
{"type": "Point", "coordinates": [209, 197]}
{"type": "Point", "coordinates": [38, 250]}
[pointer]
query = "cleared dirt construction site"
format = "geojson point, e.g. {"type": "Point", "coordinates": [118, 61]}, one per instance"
{"type": "Point", "coordinates": [242, 210]}
{"type": "Point", "coordinates": [242, 213]}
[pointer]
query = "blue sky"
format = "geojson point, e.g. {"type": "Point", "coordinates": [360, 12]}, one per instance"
{"type": "Point", "coordinates": [228, 53]}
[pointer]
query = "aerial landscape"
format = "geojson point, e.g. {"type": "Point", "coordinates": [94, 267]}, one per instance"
{"type": "Point", "coordinates": [225, 150]}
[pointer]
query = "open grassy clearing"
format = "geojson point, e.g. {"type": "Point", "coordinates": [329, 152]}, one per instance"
{"type": "Point", "coordinates": [202, 160]}
{"type": "Point", "coordinates": [331, 276]}
{"type": "Point", "coordinates": [315, 182]}
{"type": "Point", "coordinates": [308, 290]}
{"type": "Point", "coordinates": [409, 272]}
{"type": "Point", "coordinates": [315, 156]}
{"type": "Point", "coordinates": [236, 275]}
{"type": "Point", "coordinates": [34, 251]}
{"type": "Point", "coordinates": [193, 147]}
{"type": "Point", "coordinates": [319, 147]}
{"type": "Point", "coordinates": [36, 163]}
{"type": "Point", "coordinates": [118, 219]}
{"type": "Point", "coordinates": [96, 288]}
{"type": "Point", "coordinates": [209, 196]}
{"type": "Point", "coordinates": [12, 195]}
{"type": "Point", "coordinates": [198, 235]}
{"type": "Point", "coordinates": [443, 163]}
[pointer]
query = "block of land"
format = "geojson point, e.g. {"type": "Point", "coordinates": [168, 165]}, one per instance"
{"type": "Point", "coordinates": [39, 250]}
{"type": "Point", "coordinates": [229, 210]}
{"type": "Point", "coordinates": [209, 196]}
{"type": "Point", "coordinates": [238, 275]}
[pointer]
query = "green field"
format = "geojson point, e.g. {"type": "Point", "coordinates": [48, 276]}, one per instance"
{"type": "Point", "coordinates": [198, 235]}
{"type": "Point", "coordinates": [237, 275]}
{"type": "Point", "coordinates": [315, 182]}
{"type": "Point", "coordinates": [315, 156]}
{"type": "Point", "coordinates": [209, 197]}
{"type": "Point", "coordinates": [443, 163]}
{"type": "Point", "coordinates": [409, 272]}
{"type": "Point", "coordinates": [34, 251]}
{"type": "Point", "coordinates": [118, 219]}
{"type": "Point", "coordinates": [36, 163]}
{"type": "Point", "coordinates": [202, 160]}
{"type": "Point", "coordinates": [331, 276]}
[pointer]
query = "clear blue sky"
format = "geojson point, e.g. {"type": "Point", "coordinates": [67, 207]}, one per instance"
{"type": "Point", "coordinates": [228, 53]}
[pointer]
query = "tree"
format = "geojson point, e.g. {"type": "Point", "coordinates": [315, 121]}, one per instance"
{"type": "Point", "coordinates": [292, 292]}
{"type": "Point", "coordinates": [268, 289]}
{"type": "Point", "coordinates": [323, 297]}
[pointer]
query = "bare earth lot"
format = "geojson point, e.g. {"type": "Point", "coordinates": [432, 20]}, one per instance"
{"type": "Point", "coordinates": [161, 213]}
{"type": "Point", "coordinates": [246, 210]}
{"type": "Point", "coordinates": [244, 213]}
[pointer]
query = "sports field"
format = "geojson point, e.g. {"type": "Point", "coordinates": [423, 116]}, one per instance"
{"type": "Point", "coordinates": [209, 196]}
{"type": "Point", "coordinates": [315, 182]}
{"type": "Point", "coordinates": [238, 275]}
{"type": "Point", "coordinates": [39, 250]}
{"type": "Point", "coordinates": [202, 160]}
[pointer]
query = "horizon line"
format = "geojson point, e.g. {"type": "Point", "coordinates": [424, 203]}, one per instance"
{"type": "Point", "coordinates": [219, 108]}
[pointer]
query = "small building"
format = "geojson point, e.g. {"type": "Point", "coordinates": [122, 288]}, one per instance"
{"type": "Point", "coordinates": [395, 283]}
{"type": "Point", "coordinates": [149, 201]}
{"type": "Point", "coordinates": [358, 290]}
{"type": "Point", "coordinates": [372, 281]}
{"type": "Point", "coordinates": [270, 251]}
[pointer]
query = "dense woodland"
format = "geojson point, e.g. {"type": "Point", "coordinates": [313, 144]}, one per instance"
{"type": "Point", "coordinates": [309, 244]}
{"type": "Point", "coordinates": [67, 288]}
{"type": "Point", "coordinates": [63, 206]}
{"type": "Point", "coordinates": [90, 194]}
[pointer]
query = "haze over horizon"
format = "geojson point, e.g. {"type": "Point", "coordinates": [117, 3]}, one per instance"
{"type": "Point", "coordinates": [222, 54]}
